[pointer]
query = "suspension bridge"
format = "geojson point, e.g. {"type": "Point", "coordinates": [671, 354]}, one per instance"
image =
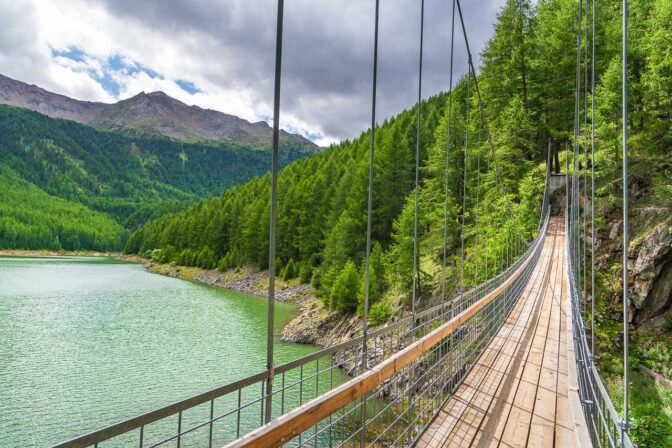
{"type": "Point", "coordinates": [509, 362]}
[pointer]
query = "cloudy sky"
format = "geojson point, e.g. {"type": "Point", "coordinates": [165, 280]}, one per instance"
{"type": "Point", "coordinates": [218, 54]}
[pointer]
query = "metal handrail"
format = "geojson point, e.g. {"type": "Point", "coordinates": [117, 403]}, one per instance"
{"type": "Point", "coordinates": [139, 422]}
{"type": "Point", "coordinates": [604, 422]}
{"type": "Point", "coordinates": [407, 331]}
{"type": "Point", "coordinates": [288, 426]}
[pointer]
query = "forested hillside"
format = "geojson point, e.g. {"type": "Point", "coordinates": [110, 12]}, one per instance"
{"type": "Point", "coordinates": [130, 178]}
{"type": "Point", "coordinates": [33, 219]}
{"type": "Point", "coordinates": [527, 78]}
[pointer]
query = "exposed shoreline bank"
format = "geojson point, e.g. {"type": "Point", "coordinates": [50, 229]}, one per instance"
{"type": "Point", "coordinates": [313, 323]}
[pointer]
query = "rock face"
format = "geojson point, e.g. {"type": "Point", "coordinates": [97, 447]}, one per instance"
{"type": "Point", "coordinates": [315, 324]}
{"type": "Point", "coordinates": [16, 93]}
{"type": "Point", "coordinates": [651, 294]}
{"type": "Point", "coordinates": [155, 113]}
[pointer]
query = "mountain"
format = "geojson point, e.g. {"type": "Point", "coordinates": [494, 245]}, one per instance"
{"type": "Point", "coordinates": [148, 113]}
{"type": "Point", "coordinates": [128, 178]}
{"type": "Point", "coordinates": [20, 94]}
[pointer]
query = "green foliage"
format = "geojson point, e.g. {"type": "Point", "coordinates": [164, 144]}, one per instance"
{"type": "Point", "coordinates": [650, 409]}
{"type": "Point", "coordinates": [32, 219]}
{"type": "Point", "coordinates": [305, 274]}
{"type": "Point", "coordinates": [206, 258]}
{"type": "Point", "coordinates": [527, 80]}
{"type": "Point", "coordinates": [278, 267]}
{"type": "Point", "coordinates": [377, 281]}
{"type": "Point", "coordinates": [380, 313]}
{"type": "Point", "coordinates": [346, 288]}
{"type": "Point", "coordinates": [228, 261]}
{"type": "Point", "coordinates": [131, 178]}
{"type": "Point", "coordinates": [289, 272]}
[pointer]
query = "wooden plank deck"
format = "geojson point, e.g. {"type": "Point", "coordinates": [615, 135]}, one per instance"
{"type": "Point", "coordinates": [518, 393]}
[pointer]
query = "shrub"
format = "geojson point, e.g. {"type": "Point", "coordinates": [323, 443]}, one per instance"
{"type": "Point", "coordinates": [225, 263]}
{"type": "Point", "coordinates": [380, 313]}
{"type": "Point", "coordinates": [344, 291]}
{"type": "Point", "coordinates": [315, 280]}
{"type": "Point", "coordinates": [305, 274]}
{"type": "Point", "coordinates": [377, 283]}
{"type": "Point", "coordinates": [206, 258]}
{"type": "Point", "coordinates": [289, 272]}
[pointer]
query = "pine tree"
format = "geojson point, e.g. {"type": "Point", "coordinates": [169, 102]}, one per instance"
{"type": "Point", "coordinates": [345, 290]}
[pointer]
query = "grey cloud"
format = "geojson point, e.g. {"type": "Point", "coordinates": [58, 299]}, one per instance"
{"type": "Point", "coordinates": [327, 50]}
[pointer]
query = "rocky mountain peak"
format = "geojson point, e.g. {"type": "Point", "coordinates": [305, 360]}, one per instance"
{"type": "Point", "coordinates": [153, 112]}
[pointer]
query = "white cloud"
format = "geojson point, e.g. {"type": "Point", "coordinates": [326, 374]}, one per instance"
{"type": "Point", "coordinates": [225, 49]}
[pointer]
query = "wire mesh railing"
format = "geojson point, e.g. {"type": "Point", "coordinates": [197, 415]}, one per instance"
{"type": "Point", "coordinates": [222, 415]}
{"type": "Point", "coordinates": [393, 402]}
{"type": "Point", "coordinates": [605, 425]}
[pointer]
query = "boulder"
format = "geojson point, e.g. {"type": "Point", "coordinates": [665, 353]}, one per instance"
{"type": "Point", "coordinates": [615, 230]}
{"type": "Point", "coordinates": [651, 292]}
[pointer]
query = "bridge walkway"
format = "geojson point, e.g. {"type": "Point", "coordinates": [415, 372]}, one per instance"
{"type": "Point", "coordinates": [518, 393]}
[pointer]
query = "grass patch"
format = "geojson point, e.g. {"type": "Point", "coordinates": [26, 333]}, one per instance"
{"type": "Point", "coordinates": [650, 409]}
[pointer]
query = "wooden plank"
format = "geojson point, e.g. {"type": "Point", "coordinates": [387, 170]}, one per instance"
{"type": "Point", "coordinates": [498, 358]}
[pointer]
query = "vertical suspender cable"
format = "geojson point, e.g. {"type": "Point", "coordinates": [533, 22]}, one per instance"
{"type": "Point", "coordinates": [478, 193]}
{"type": "Point", "coordinates": [487, 224]}
{"type": "Point", "coordinates": [485, 121]}
{"type": "Point", "coordinates": [369, 212]}
{"type": "Point", "coordinates": [567, 190]}
{"type": "Point", "coordinates": [592, 190]}
{"type": "Point", "coordinates": [577, 124]}
{"type": "Point", "coordinates": [585, 148]}
{"type": "Point", "coordinates": [274, 214]}
{"type": "Point", "coordinates": [626, 388]}
{"type": "Point", "coordinates": [416, 280]}
{"type": "Point", "coordinates": [464, 185]}
{"type": "Point", "coordinates": [448, 142]}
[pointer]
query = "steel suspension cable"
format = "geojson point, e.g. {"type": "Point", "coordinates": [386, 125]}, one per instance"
{"type": "Point", "coordinates": [487, 213]}
{"type": "Point", "coordinates": [416, 280]}
{"type": "Point", "coordinates": [464, 186]}
{"type": "Point", "coordinates": [485, 121]}
{"type": "Point", "coordinates": [448, 143]}
{"type": "Point", "coordinates": [369, 208]}
{"type": "Point", "coordinates": [592, 190]}
{"type": "Point", "coordinates": [369, 214]}
{"type": "Point", "coordinates": [577, 124]}
{"type": "Point", "coordinates": [478, 194]}
{"type": "Point", "coordinates": [585, 149]}
{"type": "Point", "coordinates": [274, 214]}
{"type": "Point", "coordinates": [626, 387]}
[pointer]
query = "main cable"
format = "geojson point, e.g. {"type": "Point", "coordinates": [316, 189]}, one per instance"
{"type": "Point", "coordinates": [485, 122]}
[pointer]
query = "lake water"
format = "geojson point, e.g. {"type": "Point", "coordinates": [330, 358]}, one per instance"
{"type": "Point", "coordinates": [86, 342]}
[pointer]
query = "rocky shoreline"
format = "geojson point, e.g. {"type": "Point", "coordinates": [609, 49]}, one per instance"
{"type": "Point", "coordinates": [313, 323]}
